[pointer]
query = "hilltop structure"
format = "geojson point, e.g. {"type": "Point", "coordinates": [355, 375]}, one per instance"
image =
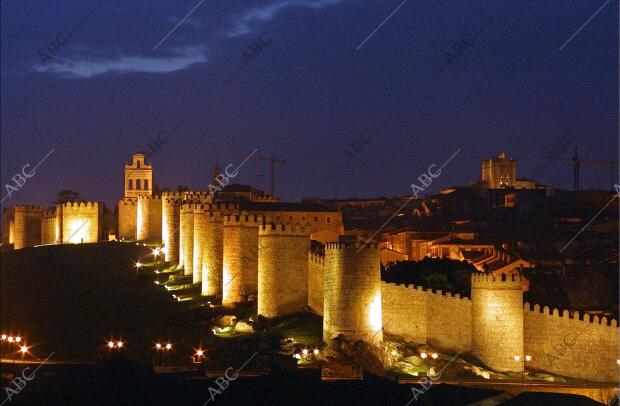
{"type": "Point", "coordinates": [244, 251]}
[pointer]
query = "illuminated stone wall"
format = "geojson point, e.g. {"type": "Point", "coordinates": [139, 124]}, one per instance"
{"type": "Point", "coordinates": [8, 224]}
{"type": "Point", "coordinates": [580, 347]}
{"type": "Point", "coordinates": [213, 255]}
{"type": "Point", "coordinates": [127, 216]}
{"type": "Point", "coordinates": [27, 229]}
{"type": "Point", "coordinates": [316, 272]}
{"type": "Point", "coordinates": [352, 288]}
{"type": "Point", "coordinates": [282, 268]}
{"type": "Point", "coordinates": [49, 231]}
{"type": "Point", "coordinates": [142, 218]}
{"type": "Point", "coordinates": [497, 320]}
{"type": "Point", "coordinates": [155, 218]}
{"type": "Point", "coordinates": [81, 222]}
{"type": "Point", "coordinates": [170, 225]}
{"type": "Point", "coordinates": [186, 237]}
{"type": "Point", "coordinates": [405, 311]}
{"type": "Point", "coordinates": [200, 229]}
{"type": "Point", "coordinates": [240, 269]}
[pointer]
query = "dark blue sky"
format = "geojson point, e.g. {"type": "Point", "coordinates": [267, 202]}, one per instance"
{"type": "Point", "coordinates": [308, 95]}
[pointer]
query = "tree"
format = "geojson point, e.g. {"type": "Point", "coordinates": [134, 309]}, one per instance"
{"type": "Point", "coordinates": [65, 196]}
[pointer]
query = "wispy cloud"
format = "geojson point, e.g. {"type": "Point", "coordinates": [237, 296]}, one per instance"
{"type": "Point", "coordinates": [86, 68]}
{"type": "Point", "coordinates": [244, 20]}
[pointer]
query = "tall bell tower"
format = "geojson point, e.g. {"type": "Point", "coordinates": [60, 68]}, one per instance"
{"type": "Point", "coordinates": [138, 177]}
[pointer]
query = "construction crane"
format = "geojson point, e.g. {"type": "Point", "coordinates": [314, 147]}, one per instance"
{"type": "Point", "coordinates": [612, 164]}
{"type": "Point", "coordinates": [272, 160]}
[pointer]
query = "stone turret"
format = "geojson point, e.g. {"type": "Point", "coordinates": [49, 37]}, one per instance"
{"type": "Point", "coordinates": [352, 289]}
{"type": "Point", "coordinates": [186, 236]}
{"type": "Point", "coordinates": [213, 255]}
{"type": "Point", "coordinates": [497, 320]}
{"type": "Point", "coordinates": [282, 268]}
{"type": "Point", "coordinates": [240, 271]}
{"type": "Point", "coordinates": [27, 229]}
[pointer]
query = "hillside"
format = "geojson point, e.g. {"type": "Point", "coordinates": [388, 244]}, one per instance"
{"type": "Point", "coordinates": [71, 298]}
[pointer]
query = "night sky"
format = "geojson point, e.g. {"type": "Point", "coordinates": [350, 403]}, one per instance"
{"type": "Point", "coordinates": [308, 94]}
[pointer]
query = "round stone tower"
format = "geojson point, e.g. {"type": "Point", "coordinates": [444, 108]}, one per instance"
{"type": "Point", "coordinates": [142, 215]}
{"type": "Point", "coordinates": [352, 292]}
{"type": "Point", "coordinates": [170, 224]}
{"type": "Point", "coordinates": [200, 227]}
{"type": "Point", "coordinates": [186, 236]}
{"type": "Point", "coordinates": [282, 268]}
{"type": "Point", "coordinates": [497, 320]}
{"type": "Point", "coordinates": [240, 271]}
{"type": "Point", "coordinates": [213, 255]}
{"type": "Point", "coordinates": [27, 226]}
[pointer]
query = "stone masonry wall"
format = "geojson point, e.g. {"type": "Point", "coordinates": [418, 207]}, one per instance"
{"type": "Point", "coordinates": [570, 346]}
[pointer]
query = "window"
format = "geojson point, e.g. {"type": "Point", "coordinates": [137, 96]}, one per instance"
{"type": "Point", "coordinates": [130, 186]}
{"type": "Point", "coordinates": [137, 164]}
{"type": "Point", "coordinates": [277, 218]}
{"type": "Point", "coordinates": [146, 184]}
{"type": "Point", "coordinates": [329, 220]}
{"type": "Point", "coordinates": [303, 219]}
{"type": "Point", "coordinates": [137, 184]}
{"type": "Point", "coordinates": [316, 218]}
{"type": "Point", "coordinates": [290, 218]}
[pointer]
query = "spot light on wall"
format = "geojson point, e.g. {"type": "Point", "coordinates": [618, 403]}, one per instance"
{"type": "Point", "coordinates": [374, 314]}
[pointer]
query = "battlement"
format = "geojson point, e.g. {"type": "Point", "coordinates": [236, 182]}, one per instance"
{"type": "Point", "coordinates": [481, 280]}
{"type": "Point", "coordinates": [26, 208]}
{"type": "Point", "coordinates": [268, 228]}
{"type": "Point", "coordinates": [572, 315]}
{"type": "Point", "coordinates": [244, 220]}
{"type": "Point", "coordinates": [189, 207]}
{"type": "Point", "coordinates": [149, 197]}
{"type": "Point", "coordinates": [347, 245]}
{"type": "Point", "coordinates": [81, 204]}
{"type": "Point", "coordinates": [429, 291]}
{"type": "Point", "coordinates": [128, 201]}
{"type": "Point", "coordinates": [49, 214]}
{"type": "Point", "coordinates": [317, 259]}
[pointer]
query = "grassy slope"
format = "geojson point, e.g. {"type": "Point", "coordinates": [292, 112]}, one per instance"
{"type": "Point", "coordinates": [70, 299]}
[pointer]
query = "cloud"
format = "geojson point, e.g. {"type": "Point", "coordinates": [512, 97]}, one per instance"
{"type": "Point", "coordinates": [83, 68]}
{"type": "Point", "coordinates": [267, 13]}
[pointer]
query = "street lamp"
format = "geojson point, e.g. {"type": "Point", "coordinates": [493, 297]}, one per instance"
{"type": "Point", "coordinates": [523, 360]}
{"type": "Point", "coordinates": [138, 265]}
{"type": "Point", "coordinates": [110, 344]}
{"type": "Point", "coordinates": [18, 339]}
{"type": "Point", "coordinates": [119, 344]}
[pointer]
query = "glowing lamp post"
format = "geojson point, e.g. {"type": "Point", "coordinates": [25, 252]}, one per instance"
{"type": "Point", "coordinates": [138, 266]}
{"type": "Point", "coordinates": [523, 360]}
